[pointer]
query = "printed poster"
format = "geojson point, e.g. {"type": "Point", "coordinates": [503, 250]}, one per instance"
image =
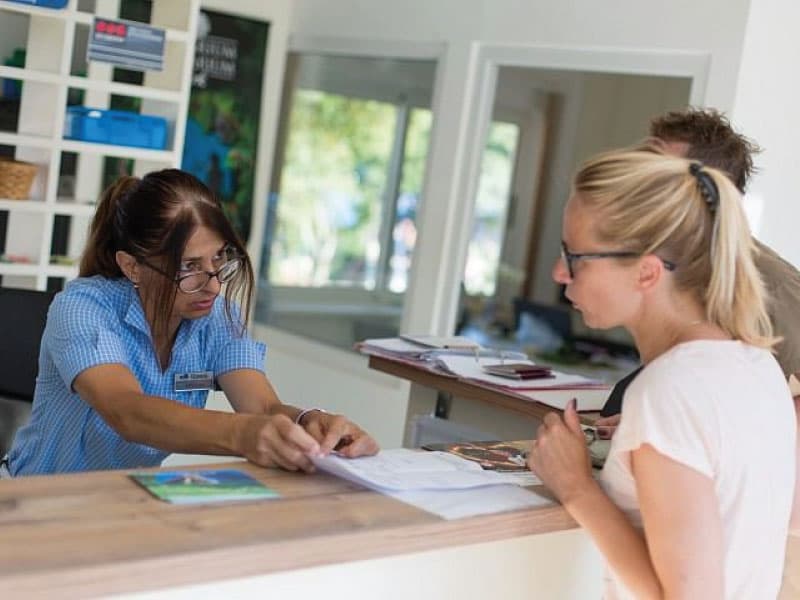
{"type": "Point", "coordinates": [224, 108]}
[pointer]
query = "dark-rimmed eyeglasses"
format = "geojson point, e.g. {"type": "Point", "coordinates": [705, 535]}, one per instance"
{"type": "Point", "coordinates": [570, 258]}
{"type": "Point", "coordinates": [193, 282]}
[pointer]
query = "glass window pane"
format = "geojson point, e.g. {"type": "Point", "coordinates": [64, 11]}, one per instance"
{"type": "Point", "coordinates": [333, 177]}
{"type": "Point", "coordinates": [347, 181]}
{"type": "Point", "coordinates": [404, 232]}
{"type": "Point", "coordinates": [491, 207]}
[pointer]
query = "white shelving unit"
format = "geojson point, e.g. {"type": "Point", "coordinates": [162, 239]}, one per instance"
{"type": "Point", "coordinates": [55, 44]}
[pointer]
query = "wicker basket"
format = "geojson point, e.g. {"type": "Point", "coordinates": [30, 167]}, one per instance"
{"type": "Point", "coordinates": [16, 178]}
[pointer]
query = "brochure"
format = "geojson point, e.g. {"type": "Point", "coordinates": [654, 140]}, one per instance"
{"type": "Point", "coordinates": [203, 486]}
{"type": "Point", "coordinates": [491, 455]}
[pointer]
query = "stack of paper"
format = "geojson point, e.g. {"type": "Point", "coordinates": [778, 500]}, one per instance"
{"type": "Point", "coordinates": [438, 482]}
{"type": "Point", "coordinates": [403, 469]}
{"type": "Point", "coordinates": [393, 347]}
{"type": "Point", "coordinates": [428, 348]}
{"type": "Point", "coordinates": [448, 342]}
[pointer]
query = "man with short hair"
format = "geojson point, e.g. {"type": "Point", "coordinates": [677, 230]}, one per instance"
{"type": "Point", "coordinates": [706, 135]}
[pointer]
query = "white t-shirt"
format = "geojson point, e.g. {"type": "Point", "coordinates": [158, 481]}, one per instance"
{"type": "Point", "coordinates": [724, 409]}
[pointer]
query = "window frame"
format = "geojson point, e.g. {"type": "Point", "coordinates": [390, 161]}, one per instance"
{"type": "Point", "coordinates": [332, 299]}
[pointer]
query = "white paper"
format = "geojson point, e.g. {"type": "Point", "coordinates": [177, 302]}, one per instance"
{"type": "Point", "coordinates": [437, 482]}
{"type": "Point", "coordinates": [452, 342]}
{"type": "Point", "coordinates": [519, 478]}
{"type": "Point", "coordinates": [470, 368]}
{"type": "Point", "coordinates": [457, 504]}
{"type": "Point", "coordinates": [402, 469]}
{"type": "Point", "coordinates": [394, 346]}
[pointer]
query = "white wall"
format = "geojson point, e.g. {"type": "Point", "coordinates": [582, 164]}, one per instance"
{"type": "Point", "coordinates": [766, 107]}
{"type": "Point", "coordinates": [712, 27]}
{"type": "Point", "coordinates": [310, 374]}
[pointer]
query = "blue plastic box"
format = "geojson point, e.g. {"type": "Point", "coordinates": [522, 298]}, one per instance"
{"type": "Point", "coordinates": [115, 127]}
{"type": "Point", "coordinates": [44, 3]}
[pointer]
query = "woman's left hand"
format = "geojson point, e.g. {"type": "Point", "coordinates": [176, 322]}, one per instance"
{"type": "Point", "coordinates": [336, 432]}
{"type": "Point", "coordinates": [559, 456]}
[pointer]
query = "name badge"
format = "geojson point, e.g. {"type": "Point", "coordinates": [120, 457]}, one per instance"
{"type": "Point", "coordinates": [192, 382]}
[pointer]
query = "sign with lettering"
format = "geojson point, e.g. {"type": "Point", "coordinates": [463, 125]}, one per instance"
{"type": "Point", "coordinates": [221, 140]}
{"type": "Point", "coordinates": [215, 57]}
{"type": "Point", "coordinates": [127, 44]}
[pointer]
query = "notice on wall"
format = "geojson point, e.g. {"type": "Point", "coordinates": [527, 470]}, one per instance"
{"type": "Point", "coordinates": [224, 109]}
{"type": "Point", "coordinates": [127, 44]}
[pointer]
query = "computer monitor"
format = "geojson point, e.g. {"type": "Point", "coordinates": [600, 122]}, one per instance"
{"type": "Point", "coordinates": [23, 314]}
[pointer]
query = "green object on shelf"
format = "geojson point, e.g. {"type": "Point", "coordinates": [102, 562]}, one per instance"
{"type": "Point", "coordinates": [17, 58]}
{"type": "Point", "coordinates": [12, 88]}
{"type": "Point", "coordinates": [60, 259]}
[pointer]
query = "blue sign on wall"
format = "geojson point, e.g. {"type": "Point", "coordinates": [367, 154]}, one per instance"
{"type": "Point", "coordinates": [127, 44]}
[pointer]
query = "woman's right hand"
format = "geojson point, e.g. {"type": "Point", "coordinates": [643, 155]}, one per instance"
{"type": "Point", "coordinates": [276, 441]}
{"type": "Point", "coordinates": [607, 426]}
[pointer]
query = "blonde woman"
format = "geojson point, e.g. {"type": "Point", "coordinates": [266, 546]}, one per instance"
{"type": "Point", "coordinates": [697, 489]}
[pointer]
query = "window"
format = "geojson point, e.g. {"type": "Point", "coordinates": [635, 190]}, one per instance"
{"type": "Point", "coordinates": [491, 209]}
{"type": "Point", "coordinates": [347, 182]}
{"type": "Point", "coordinates": [331, 221]}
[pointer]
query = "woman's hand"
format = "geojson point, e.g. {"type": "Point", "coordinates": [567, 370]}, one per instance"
{"type": "Point", "coordinates": [336, 432]}
{"type": "Point", "coordinates": [276, 441]}
{"type": "Point", "coordinates": [559, 456]}
{"type": "Point", "coordinates": [607, 426]}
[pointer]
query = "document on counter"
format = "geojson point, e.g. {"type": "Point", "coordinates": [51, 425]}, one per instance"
{"type": "Point", "coordinates": [437, 482]}
{"type": "Point", "coordinates": [403, 469]}
{"type": "Point", "coordinates": [457, 504]}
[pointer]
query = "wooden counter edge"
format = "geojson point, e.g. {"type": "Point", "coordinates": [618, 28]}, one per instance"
{"type": "Point", "coordinates": [468, 389]}
{"type": "Point", "coordinates": [286, 555]}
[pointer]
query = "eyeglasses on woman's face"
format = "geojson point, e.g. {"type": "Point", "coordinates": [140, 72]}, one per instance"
{"type": "Point", "coordinates": [570, 258]}
{"type": "Point", "coordinates": [191, 281]}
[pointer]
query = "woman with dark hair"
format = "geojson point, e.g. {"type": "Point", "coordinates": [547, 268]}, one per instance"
{"type": "Point", "coordinates": [132, 347]}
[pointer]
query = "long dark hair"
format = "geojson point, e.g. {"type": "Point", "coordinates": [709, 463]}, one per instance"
{"type": "Point", "coordinates": [154, 217]}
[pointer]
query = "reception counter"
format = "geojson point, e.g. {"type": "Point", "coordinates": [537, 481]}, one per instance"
{"type": "Point", "coordinates": [95, 534]}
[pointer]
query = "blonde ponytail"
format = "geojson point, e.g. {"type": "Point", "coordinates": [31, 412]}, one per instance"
{"type": "Point", "coordinates": [735, 296]}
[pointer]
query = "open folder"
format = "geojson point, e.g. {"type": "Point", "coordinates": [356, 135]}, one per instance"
{"type": "Point", "coordinates": [469, 367]}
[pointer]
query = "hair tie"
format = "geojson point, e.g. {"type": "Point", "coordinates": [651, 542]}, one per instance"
{"type": "Point", "coordinates": [708, 188]}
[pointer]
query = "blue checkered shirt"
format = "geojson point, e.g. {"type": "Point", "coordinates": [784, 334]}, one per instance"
{"type": "Point", "coordinates": [100, 321]}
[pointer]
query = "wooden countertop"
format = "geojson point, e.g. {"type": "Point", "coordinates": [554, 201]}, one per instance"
{"type": "Point", "coordinates": [99, 533]}
{"type": "Point", "coordinates": [522, 402]}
